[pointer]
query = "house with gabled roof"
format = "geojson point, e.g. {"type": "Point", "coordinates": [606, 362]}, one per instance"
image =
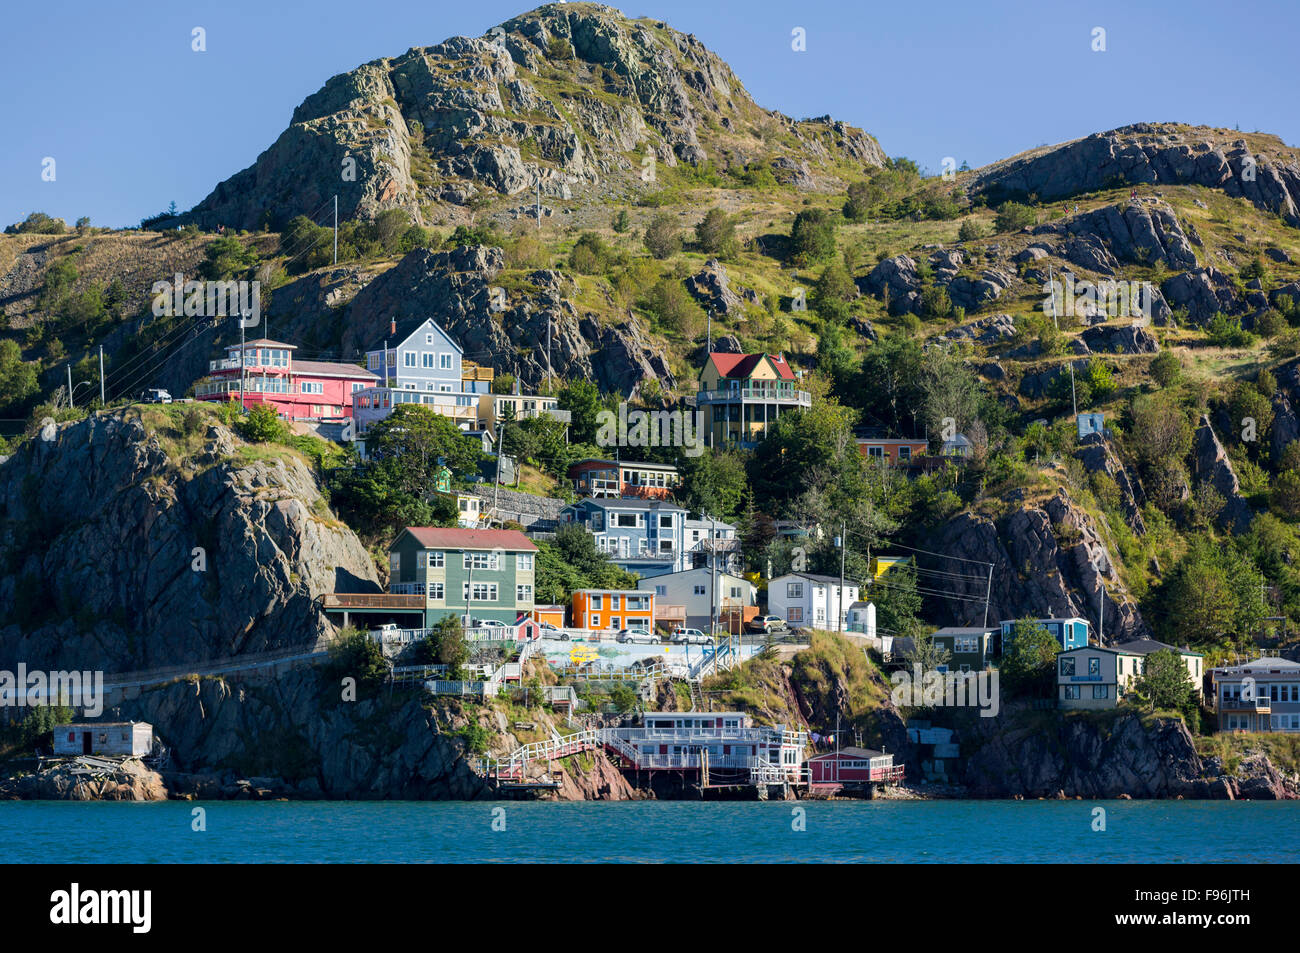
{"type": "Point", "coordinates": [296, 389]}
{"type": "Point", "coordinates": [485, 574]}
{"type": "Point", "coordinates": [741, 395]}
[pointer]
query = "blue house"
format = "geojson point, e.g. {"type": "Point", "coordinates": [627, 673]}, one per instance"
{"type": "Point", "coordinates": [1069, 633]}
{"type": "Point", "coordinates": [642, 536]}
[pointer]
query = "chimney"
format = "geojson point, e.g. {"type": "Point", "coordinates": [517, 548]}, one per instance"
{"type": "Point", "coordinates": [392, 328]}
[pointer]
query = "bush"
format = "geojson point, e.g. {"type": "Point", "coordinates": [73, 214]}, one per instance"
{"type": "Point", "coordinates": [1224, 331]}
{"type": "Point", "coordinates": [716, 234]}
{"type": "Point", "coordinates": [622, 221]}
{"type": "Point", "coordinates": [1270, 324]}
{"type": "Point", "coordinates": [812, 237]}
{"type": "Point", "coordinates": [1012, 217]}
{"type": "Point", "coordinates": [590, 254]}
{"type": "Point", "coordinates": [662, 237]}
{"type": "Point", "coordinates": [970, 230]}
{"type": "Point", "coordinates": [674, 308]}
{"type": "Point", "coordinates": [1165, 368]}
{"type": "Point", "coordinates": [262, 425]}
{"type": "Point", "coordinates": [559, 49]}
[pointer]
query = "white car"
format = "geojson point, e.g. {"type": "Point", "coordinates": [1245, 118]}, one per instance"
{"type": "Point", "coordinates": [639, 635]}
{"type": "Point", "coordinates": [690, 637]}
{"type": "Point", "coordinates": [492, 624]}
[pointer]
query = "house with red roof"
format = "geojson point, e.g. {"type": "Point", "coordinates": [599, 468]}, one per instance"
{"type": "Point", "coordinates": [269, 374]}
{"type": "Point", "coordinates": [481, 575]}
{"type": "Point", "coordinates": [740, 395]}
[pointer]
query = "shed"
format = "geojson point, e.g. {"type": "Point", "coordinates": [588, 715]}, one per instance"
{"type": "Point", "coordinates": [114, 738]}
{"type": "Point", "coordinates": [850, 765]}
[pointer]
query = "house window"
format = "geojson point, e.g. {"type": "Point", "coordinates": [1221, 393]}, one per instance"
{"type": "Point", "coordinates": [444, 362]}
{"type": "Point", "coordinates": [1067, 665]}
{"type": "Point", "coordinates": [876, 453]}
{"type": "Point", "coordinates": [625, 519]}
{"type": "Point", "coordinates": [523, 593]}
{"type": "Point", "coordinates": [313, 387]}
{"type": "Point", "coordinates": [1094, 666]}
{"type": "Point", "coordinates": [428, 339]}
{"type": "Point", "coordinates": [665, 522]}
{"type": "Point", "coordinates": [794, 614]}
{"type": "Point", "coordinates": [597, 603]}
{"type": "Point", "coordinates": [524, 562]}
{"type": "Point", "coordinates": [1100, 691]}
{"type": "Point", "coordinates": [905, 453]}
{"type": "Point", "coordinates": [662, 590]}
{"type": "Point", "coordinates": [394, 564]}
{"type": "Point", "coordinates": [735, 592]}
{"type": "Point", "coordinates": [821, 614]}
{"type": "Point", "coordinates": [437, 560]}
{"type": "Point", "coordinates": [426, 359]}
{"type": "Point", "coordinates": [481, 561]}
{"type": "Point", "coordinates": [436, 590]}
{"type": "Point", "coordinates": [482, 591]}
{"type": "Point", "coordinates": [699, 590]}
{"type": "Point", "coordinates": [615, 622]}
{"type": "Point", "coordinates": [794, 590]}
{"type": "Point", "coordinates": [408, 358]}
{"type": "Point", "coordinates": [1071, 691]}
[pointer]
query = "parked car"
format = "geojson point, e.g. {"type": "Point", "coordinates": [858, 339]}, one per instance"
{"type": "Point", "coordinates": [639, 635]}
{"type": "Point", "coordinates": [492, 624]}
{"type": "Point", "coordinates": [766, 623]}
{"type": "Point", "coordinates": [156, 396]}
{"type": "Point", "coordinates": [690, 637]}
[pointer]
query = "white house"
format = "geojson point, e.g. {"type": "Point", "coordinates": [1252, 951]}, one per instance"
{"type": "Point", "coordinates": [804, 599]}
{"type": "Point", "coordinates": [111, 738]}
{"type": "Point", "coordinates": [1095, 677]}
{"type": "Point", "coordinates": [691, 589]}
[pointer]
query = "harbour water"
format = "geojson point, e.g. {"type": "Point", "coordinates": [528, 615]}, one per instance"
{"type": "Point", "coordinates": [670, 831]}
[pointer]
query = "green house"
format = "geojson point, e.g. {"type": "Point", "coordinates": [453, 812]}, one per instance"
{"type": "Point", "coordinates": [482, 574]}
{"type": "Point", "coordinates": [969, 647]}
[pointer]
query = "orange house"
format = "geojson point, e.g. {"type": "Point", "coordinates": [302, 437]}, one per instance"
{"type": "Point", "coordinates": [897, 451]}
{"type": "Point", "coordinates": [613, 609]}
{"type": "Point", "coordinates": [552, 614]}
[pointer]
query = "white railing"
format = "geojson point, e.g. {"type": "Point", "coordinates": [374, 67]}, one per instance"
{"type": "Point", "coordinates": [802, 397]}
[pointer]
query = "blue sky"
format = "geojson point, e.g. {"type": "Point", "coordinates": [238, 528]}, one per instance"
{"type": "Point", "coordinates": [135, 119]}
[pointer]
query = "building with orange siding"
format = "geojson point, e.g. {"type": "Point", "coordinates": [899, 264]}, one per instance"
{"type": "Point", "coordinates": [613, 609]}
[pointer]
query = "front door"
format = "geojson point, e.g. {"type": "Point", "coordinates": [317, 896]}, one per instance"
{"type": "Point", "coordinates": [85, 742]}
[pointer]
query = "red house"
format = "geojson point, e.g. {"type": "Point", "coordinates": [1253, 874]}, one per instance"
{"type": "Point", "coordinates": [298, 390]}
{"type": "Point", "coordinates": [854, 766]}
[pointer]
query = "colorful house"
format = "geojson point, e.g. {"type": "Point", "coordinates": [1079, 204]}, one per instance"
{"type": "Point", "coordinates": [270, 375]}
{"type": "Point", "coordinates": [641, 536]}
{"type": "Point", "coordinates": [740, 395]}
{"type": "Point", "coordinates": [896, 451]}
{"type": "Point", "coordinates": [613, 609]}
{"type": "Point", "coordinates": [1071, 633]}
{"type": "Point", "coordinates": [1261, 695]}
{"type": "Point", "coordinates": [969, 647]}
{"type": "Point", "coordinates": [478, 574]}
{"type": "Point", "coordinates": [550, 615]}
{"type": "Point", "coordinates": [690, 590]}
{"type": "Point", "coordinates": [620, 478]}
{"type": "Point", "coordinates": [854, 766]}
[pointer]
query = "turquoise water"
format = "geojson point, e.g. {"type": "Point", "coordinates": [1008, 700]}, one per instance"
{"type": "Point", "coordinates": [693, 832]}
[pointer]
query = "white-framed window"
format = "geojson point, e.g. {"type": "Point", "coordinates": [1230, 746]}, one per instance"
{"type": "Point", "coordinates": [661, 590]}
{"type": "Point", "coordinates": [444, 362]}
{"type": "Point", "coordinates": [876, 453]}
{"type": "Point", "coordinates": [313, 387]}
{"type": "Point", "coordinates": [524, 562]}
{"type": "Point", "coordinates": [426, 359]}
{"type": "Point", "coordinates": [625, 519]}
{"type": "Point", "coordinates": [437, 559]}
{"type": "Point", "coordinates": [481, 561]}
{"type": "Point", "coordinates": [408, 358]}
{"type": "Point", "coordinates": [523, 593]}
{"type": "Point", "coordinates": [665, 521]}
{"type": "Point", "coordinates": [428, 338]}
{"type": "Point", "coordinates": [821, 614]}
{"type": "Point", "coordinates": [436, 590]}
{"type": "Point", "coordinates": [615, 622]}
{"type": "Point", "coordinates": [482, 591]}
{"type": "Point", "coordinates": [699, 590]}
{"type": "Point", "coordinates": [357, 385]}
{"type": "Point", "coordinates": [597, 602]}
{"type": "Point", "coordinates": [394, 564]}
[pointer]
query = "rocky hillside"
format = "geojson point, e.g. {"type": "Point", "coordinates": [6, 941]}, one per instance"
{"type": "Point", "coordinates": [569, 98]}
{"type": "Point", "coordinates": [147, 538]}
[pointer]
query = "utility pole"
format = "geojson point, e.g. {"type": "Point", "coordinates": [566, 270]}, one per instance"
{"type": "Point", "coordinates": [243, 368]}
{"type": "Point", "coordinates": [839, 608]}
{"type": "Point", "coordinates": [988, 594]}
{"type": "Point", "coordinates": [496, 493]}
{"type": "Point", "coordinates": [549, 372]}
{"type": "Point", "coordinates": [713, 587]}
{"type": "Point", "coordinates": [336, 228]}
{"type": "Point", "coordinates": [1101, 607]}
{"type": "Point", "coordinates": [102, 402]}
{"type": "Point", "coordinates": [709, 336]}
{"type": "Point", "coordinates": [539, 202]}
{"type": "Point", "coordinates": [69, 367]}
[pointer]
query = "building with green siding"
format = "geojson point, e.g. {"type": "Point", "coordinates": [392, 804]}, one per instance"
{"type": "Point", "coordinates": [485, 574]}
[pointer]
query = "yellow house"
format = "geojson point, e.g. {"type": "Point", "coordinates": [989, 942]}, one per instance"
{"type": "Point", "coordinates": [741, 394]}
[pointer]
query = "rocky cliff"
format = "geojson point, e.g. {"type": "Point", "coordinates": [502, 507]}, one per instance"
{"type": "Point", "coordinates": [135, 539]}
{"type": "Point", "coordinates": [1049, 561]}
{"type": "Point", "coordinates": [566, 98]}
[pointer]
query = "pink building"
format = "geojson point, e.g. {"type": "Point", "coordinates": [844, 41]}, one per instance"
{"type": "Point", "coordinates": [298, 390]}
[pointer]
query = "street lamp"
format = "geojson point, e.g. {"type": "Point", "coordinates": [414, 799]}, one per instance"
{"type": "Point", "coordinates": [73, 393]}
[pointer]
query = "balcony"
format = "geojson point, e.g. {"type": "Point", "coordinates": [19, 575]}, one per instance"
{"type": "Point", "coordinates": [758, 394]}
{"type": "Point", "coordinates": [1263, 704]}
{"type": "Point", "coordinates": [371, 600]}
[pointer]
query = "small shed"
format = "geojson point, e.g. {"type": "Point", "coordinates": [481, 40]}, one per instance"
{"type": "Point", "coordinates": [527, 629]}
{"type": "Point", "coordinates": [112, 738]}
{"type": "Point", "coordinates": [851, 765]}
{"type": "Point", "coordinates": [552, 614]}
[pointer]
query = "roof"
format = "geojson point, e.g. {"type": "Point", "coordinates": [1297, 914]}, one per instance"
{"type": "Point", "coordinates": [851, 752]}
{"type": "Point", "coordinates": [333, 369]}
{"type": "Point", "coordinates": [621, 463]}
{"type": "Point", "coordinates": [407, 327]}
{"type": "Point", "coordinates": [261, 342]}
{"type": "Point", "coordinates": [651, 581]}
{"type": "Point", "coordinates": [1147, 646]}
{"type": "Point", "coordinates": [742, 365]}
{"type": "Point", "coordinates": [106, 724]}
{"type": "Point", "coordinates": [824, 580]}
{"type": "Point", "coordinates": [1270, 664]}
{"type": "Point", "coordinates": [627, 503]}
{"type": "Point", "coordinates": [898, 440]}
{"type": "Point", "coordinates": [962, 630]}
{"type": "Point", "coordinates": [440, 537]}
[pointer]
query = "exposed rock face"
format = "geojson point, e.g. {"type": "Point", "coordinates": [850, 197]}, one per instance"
{"type": "Point", "coordinates": [1203, 292]}
{"type": "Point", "coordinates": [600, 782]}
{"type": "Point", "coordinates": [1077, 757]}
{"type": "Point", "coordinates": [1129, 339]}
{"type": "Point", "coordinates": [898, 278]}
{"type": "Point", "coordinates": [564, 97]}
{"type": "Point", "coordinates": [99, 529]}
{"type": "Point", "coordinates": [1048, 562]}
{"type": "Point", "coordinates": [1134, 233]}
{"type": "Point", "coordinates": [990, 330]}
{"type": "Point", "coordinates": [1151, 153]}
{"type": "Point", "coordinates": [454, 287]}
{"type": "Point", "coordinates": [1286, 419]}
{"type": "Point", "coordinates": [1210, 464]}
{"type": "Point", "coordinates": [128, 781]}
{"type": "Point", "coordinates": [712, 289]}
{"type": "Point", "coordinates": [1098, 456]}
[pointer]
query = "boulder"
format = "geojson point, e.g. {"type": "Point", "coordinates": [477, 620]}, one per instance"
{"type": "Point", "coordinates": [1210, 464]}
